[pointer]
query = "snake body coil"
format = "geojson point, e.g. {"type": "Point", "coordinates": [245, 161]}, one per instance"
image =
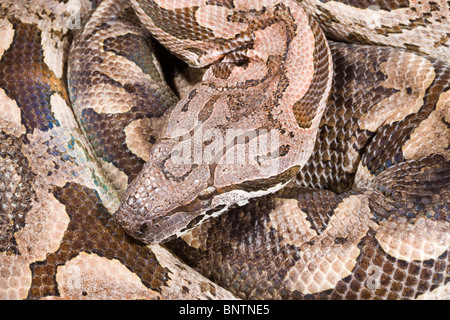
{"type": "Point", "coordinates": [295, 168]}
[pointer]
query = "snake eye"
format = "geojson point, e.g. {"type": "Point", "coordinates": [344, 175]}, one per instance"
{"type": "Point", "coordinates": [207, 193]}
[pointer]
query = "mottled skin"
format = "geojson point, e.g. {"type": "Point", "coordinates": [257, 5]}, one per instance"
{"type": "Point", "coordinates": [416, 25]}
{"type": "Point", "coordinates": [57, 236]}
{"type": "Point", "coordinates": [366, 218]}
{"type": "Point", "coordinates": [174, 193]}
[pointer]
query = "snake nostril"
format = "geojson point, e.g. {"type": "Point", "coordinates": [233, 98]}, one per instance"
{"type": "Point", "coordinates": [143, 228]}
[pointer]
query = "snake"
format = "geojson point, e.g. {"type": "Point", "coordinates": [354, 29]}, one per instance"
{"type": "Point", "coordinates": [224, 149]}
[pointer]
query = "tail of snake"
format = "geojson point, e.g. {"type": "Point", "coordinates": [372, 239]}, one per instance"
{"type": "Point", "coordinates": [344, 188]}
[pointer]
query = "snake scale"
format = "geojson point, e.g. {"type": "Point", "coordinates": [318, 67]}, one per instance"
{"type": "Point", "coordinates": [120, 175]}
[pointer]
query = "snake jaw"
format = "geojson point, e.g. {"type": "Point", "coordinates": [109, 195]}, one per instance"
{"type": "Point", "coordinates": [153, 216]}
{"type": "Point", "coordinates": [153, 201]}
{"type": "Point", "coordinates": [225, 142]}
{"type": "Point", "coordinates": [171, 195]}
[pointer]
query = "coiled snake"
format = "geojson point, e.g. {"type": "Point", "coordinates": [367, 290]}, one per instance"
{"type": "Point", "coordinates": [297, 168]}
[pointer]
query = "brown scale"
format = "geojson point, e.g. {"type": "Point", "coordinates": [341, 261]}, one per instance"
{"type": "Point", "coordinates": [305, 109]}
{"type": "Point", "coordinates": [92, 230]}
{"type": "Point", "coordinates": [183, 19]}
{"type": "Point", "coordinates": [252, 272]}
{"type": "Point", "coordinates": [387, 5]}
{"type": "Point", "coordinates": [37, 83]}
{"type": "Point", "coordinates": [339, 133]}
{"type": "Point", "coordinates": [105, 131]}
{"type": "Point", "coordinates": [224, 3]}
{"type": "Point", "coordinates": [409, 196]}
{"type": "Point", "coordinates": [231, 247]}
{"type": "Point", "coordinates": [385, 148]}
{"type": "Point", "coordinates": [16, 193]}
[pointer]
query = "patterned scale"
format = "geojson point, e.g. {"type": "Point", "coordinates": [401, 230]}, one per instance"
{"type": "Point", "coordinates": [370, 232]}
{"type": "Point", "coordinates": [121, 105]}
{"type": "Point", "coordinates": [57, 235]}
{"type": "Point", "coordinates": [416, 25]}
{"type": "Point", "coordinates": [367, 216]}
{"type": "Point", "coordinates": [253, 49]}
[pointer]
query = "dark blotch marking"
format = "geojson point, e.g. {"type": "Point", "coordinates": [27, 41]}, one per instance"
{"type": "Point", "coordinates": [208, 109]}
{"type": "Point", "coordinates": [385, 149]}
{"type": "Point", "coordinates": [340, 240]}
{"type": "Point", "coordinates": [223, 3]}
{"type": "Point", "coordinates": [16, 197]}
{"type": "Point", "coordinates": [306, 108]}
{"type": "Point", "coordinates": [106, 135]}
{"type": "Point", "coordinates": [183, 22]}
{"type": "Point", "coordinates": [169, 176]}
{"type": "Point", "coordinates": [387, 5]}
{"type": "Point", "coordinates": [191, 96]}
{"type": "Point", "coordinates": [129, 88]}
{"type": "Point", "coordinates": [135, 48]}
{"type": "Point", "coordinates": [27, 80]}
{"type": "Point", "coordinates": [92, 230]}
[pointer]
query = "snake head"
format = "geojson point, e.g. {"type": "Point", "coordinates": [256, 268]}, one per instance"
{"type": "Point", "coordinates": [172, 195]}
{"type": "Point", "coordinates": [209, 159]}
{"type": "Point", "coordinates": [163, 199]}
{"type": "Point", "coordinates": [243, 132]}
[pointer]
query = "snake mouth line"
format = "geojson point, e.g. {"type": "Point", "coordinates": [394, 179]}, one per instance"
{"type": "Point", "coordinates": [182, 219]}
